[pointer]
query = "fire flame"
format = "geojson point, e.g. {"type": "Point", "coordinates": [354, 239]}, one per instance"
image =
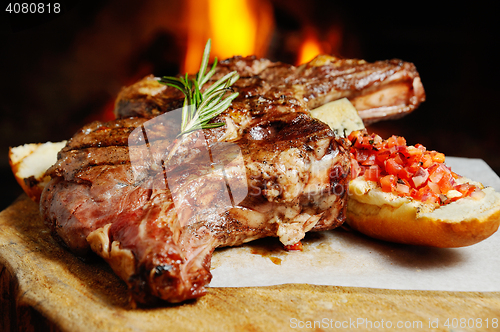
{"type": "Point", "coordinates": [236, 27]}
{"type": "Point", "coordinates": [238, 37]}
{"type": "Point", "coordinates": [310, 48]}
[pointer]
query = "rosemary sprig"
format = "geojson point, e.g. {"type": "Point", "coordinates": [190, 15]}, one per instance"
{"type": "Point", "coordinates": [199, 108]}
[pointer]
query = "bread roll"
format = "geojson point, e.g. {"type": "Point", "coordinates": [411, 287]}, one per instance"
{"type": "Point", "coordinates": [29, 163]}
{"type": "Point", "coordinates": [389, 217]}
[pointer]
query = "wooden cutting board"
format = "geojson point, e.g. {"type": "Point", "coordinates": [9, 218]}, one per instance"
{"type": "Point", "coordinates": [44, 287]}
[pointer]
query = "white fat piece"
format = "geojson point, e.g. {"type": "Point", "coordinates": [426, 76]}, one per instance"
{"type": "Point", "coordinates": [292, 231]}
{"type": "Point", "coordinates": [122, 261]}
{"type": "Point", "coordinates": [231, 132]}
{"type": "Point", "coordinates": [340, 115]}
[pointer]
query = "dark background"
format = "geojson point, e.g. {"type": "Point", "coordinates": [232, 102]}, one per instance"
{"type": "Point", "coordinates": [61, 71]}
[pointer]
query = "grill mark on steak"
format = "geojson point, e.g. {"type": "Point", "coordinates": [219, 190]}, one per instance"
{"type": "Point", "coordinates": [109, 134]}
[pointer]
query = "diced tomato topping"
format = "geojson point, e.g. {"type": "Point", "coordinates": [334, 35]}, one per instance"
{"type": "Point", "coordinates": [392, 166]}
{"type": "Point", "coordinates": [401, 141]}
{"type": "Point", "coordinates": [426, 161]}
{"type": "Point", "coordinates": [372, 173]}
{"type": "Point", "coordinates": [392, 142]}
{"type": "Point", "coordinates": [465, 189]}
{"type": "Point", "coordinates": [381, 157]}
{"type": "Point", "coordinates": [405, 170]}
{"type": "Point", "coordinates": [388, 183]}
{"type": "Point", "coordinates": [437, 171]}
{"type": "Point", "coordinates": [363, 155]}
{"type": "Point", "coordinates": [437, 157]}
{"type": "Point", "coordinates": [405, 174]}
{"type": "Point", "coordinates": [446, 183]}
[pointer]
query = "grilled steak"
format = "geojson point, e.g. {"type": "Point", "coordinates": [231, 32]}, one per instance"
{"type": "Point", "coordinates": [271, 170]}
{"type": "Point", "coordinates": [294, 168]}
{"type": "Point", "coordinates": [380, 90]}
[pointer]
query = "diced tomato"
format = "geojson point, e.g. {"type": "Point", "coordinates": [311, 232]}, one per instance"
{"type": "Point", "coordinates": [420, 147]}
{"type": "Point", "coordinates": [405, 174]}
{"type": "Point", "coordinates": [382, 156]}
{"type": "Point", "coordinates": [465, 189]}
{"type": "Point", "coordinates": [414, 152]}
{"type": "Point", "coordinates": [426, 160]}
{"type": "Point", "coordinates": [414, 193]}
{"type": "Point", "coordinates": [413, 168]}
{"type": "Point", "coordinates": [393, 150]}
{"type": "Point", "coordinates": [392, 166]}
{"type": "Point", "coordinates": [400, 158]}
{"type": "Point", "coordinates": [428, 196]}
{"type": "Point", "coordinates": [401, 141]}
{"type": "Point", "coordinates": [437, 157]}
{"type": "Point", "coordinates": [372, 173]}
{"type": "Point", "coordinates": [355, 136]}
{"type": "Point", "coordinates": [392, 142]}
{"type": "Point", "coordinates": [388, 183]}
{"type": "Point", "coordinates": [436, 173]}
{"type": "Point", "coordinates": [441, 175]}
{"type": "Point", "coordinates": [404, 170]}
{"type": "Point", "coordinates": [446, 183]}
{"type": "Point", "coordinates": [363, 156]}
{"type": "Point", "coordinates": [371, 160]}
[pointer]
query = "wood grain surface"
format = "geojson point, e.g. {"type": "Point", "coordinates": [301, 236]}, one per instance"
{"type": "Point", "coordinates": [43, 287]}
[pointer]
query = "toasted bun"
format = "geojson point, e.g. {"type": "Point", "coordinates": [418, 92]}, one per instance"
{"type": "Point", "coordinates": [29, 163]}
{"type": "Point", "coordinates": [388, 217]}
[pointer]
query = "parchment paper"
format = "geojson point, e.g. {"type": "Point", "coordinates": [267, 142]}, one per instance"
{"type": "Point", "coordinates": [342, 258]}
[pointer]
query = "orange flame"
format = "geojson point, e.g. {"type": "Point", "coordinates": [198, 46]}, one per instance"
{"type": "Point", "coordinates": [236, 27]}
{"type": "Point", "coordinates": [310, 48]}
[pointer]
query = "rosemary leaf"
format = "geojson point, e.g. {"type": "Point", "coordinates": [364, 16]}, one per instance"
{"type": "Point", "coordinates": [199, 108]}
